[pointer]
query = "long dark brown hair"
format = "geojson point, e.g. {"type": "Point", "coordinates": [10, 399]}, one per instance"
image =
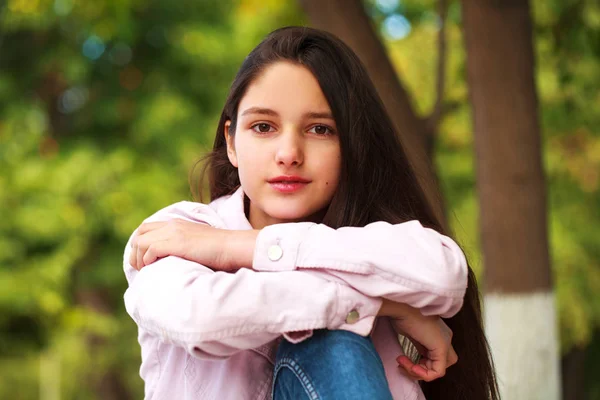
{"type": "Point", "coordinates": [376, 181]}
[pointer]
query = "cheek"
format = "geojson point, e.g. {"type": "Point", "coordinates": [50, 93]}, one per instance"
{"type": "Point", "coordinates": [252, 161]}
{"type": "Point", "coordinates": [330, 167]}
{"type": "Point", "coordinates": [241, 152]}
{"type": "Point", "coordinates": [333, 166]}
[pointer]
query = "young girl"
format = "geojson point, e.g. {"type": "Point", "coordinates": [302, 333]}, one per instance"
{"type": "Point", "coordinates": [317, 249]}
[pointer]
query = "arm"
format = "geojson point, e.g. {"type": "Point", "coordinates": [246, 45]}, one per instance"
{"type": "Point", "coordinates": [431, 337]}
{"type": "Point", "coordinates": [405, 263]}
{"type": "Point", "coordinates": [216, 314]}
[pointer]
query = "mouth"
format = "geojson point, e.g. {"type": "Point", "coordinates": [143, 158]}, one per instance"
{"type": "Point", "coordinates": [288, 184]}
{"type": "Point", "coordinates": [288, 179]}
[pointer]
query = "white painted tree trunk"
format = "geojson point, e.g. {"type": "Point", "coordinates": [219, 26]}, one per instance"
{"type": "Point", "coordinates": [519, 304]}
{"type": "Point", "coordinates": [521, 329]}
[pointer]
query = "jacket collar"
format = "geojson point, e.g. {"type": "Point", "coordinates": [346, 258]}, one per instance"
{"type": "Point", "coordinates": [231, 210]}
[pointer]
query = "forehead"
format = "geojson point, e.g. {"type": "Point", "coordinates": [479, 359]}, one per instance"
{"type": "Point", "coordinates": [287, 88]}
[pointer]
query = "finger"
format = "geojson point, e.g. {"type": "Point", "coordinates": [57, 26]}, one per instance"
{"type": "Point", "coordinates": [155, 251]}
{"type": "Point", "coordinates": [150, 226]}
{"type": "Point", "coordinates": [424, 359]}
{"type": "Point", "coordinates": [405, 362]}
{"type": "Point", "coordinates": [426, 363]}
{"type": "Point", "coordinates": [422, 373]}
{"type": "Point", "coordinates": [132, 256]}
{"type": "Point", "coordinates": [136, 247]}
{"type": "Point", "coordinates": [415, 371]}
{"type": "Point", "coordinates": [438, 370]}
{"type": "Point", "coordinates": [149, 255]}
{"type": "Point", "coordinates": [438, 357]}
{"type": "Point", "coordinates": [407, 374]}
{"type": "Point", "coordinates": [139, 259]}
{"type": "Point", "coordinates": [133, 251]}
{"type": "Point", "coordinates": [143, 243]}
{"type": "Point", "coordinates": [406, 365]}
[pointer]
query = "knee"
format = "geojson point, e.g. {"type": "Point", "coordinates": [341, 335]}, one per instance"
{"type": "Point", "coordinates": [335, 364]}
{"type": "Point", "coordinates": [334, 347]}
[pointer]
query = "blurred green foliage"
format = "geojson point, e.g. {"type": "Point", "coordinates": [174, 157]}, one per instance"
{"type": "Point", "coordinates": [105, 105]}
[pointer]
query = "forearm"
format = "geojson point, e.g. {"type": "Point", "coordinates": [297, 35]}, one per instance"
{"type": "Point", "coordinates": [404, 263]}
{"type": "Point", "coordinates": [240, 245]}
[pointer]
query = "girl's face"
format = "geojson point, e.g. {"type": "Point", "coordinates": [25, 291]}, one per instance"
{"type": "Point", "coordinates": [286, 146]}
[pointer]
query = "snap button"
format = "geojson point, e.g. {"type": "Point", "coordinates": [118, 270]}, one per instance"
{"type": "Point", "coordinates": [274, 252]}
{"type": "Point", "coordinates": [352, 317]}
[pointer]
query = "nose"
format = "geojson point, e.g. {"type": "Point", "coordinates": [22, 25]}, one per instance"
{"type": "Point", "coordinates": [289, 150]}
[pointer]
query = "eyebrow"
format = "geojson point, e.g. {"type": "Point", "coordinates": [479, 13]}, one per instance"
{"type": "Point", "coordinates": [273, 113]}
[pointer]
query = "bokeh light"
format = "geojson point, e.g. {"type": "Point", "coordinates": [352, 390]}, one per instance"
{"type": "Point", "coordinates": [396, 27]}
{"type": "Point", "coordinates": [93, 47]}
{"type": "Point", "coordinates": [387, 6]}
{"type": "Point", "coordinates": [72, 100]}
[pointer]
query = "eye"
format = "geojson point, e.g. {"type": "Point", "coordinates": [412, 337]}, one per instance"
{"type": "Point", "coordinates": [321, 130]}
{"type": "Point", "coordinates": [261, 127]}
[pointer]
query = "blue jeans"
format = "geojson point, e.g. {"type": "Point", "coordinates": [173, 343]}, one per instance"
{"type": "Point", "coordinates": [331, 365]}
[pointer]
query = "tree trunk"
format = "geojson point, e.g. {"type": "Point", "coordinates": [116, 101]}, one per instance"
{"type": "Point", "coordinates": [347, 20]}
{"type": "Point", "coordinates": [520, 313]}
{"type": "Point", "coordinates": [573, 374]}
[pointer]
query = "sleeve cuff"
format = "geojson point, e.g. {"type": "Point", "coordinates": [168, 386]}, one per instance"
{"type": "Point", "coordinates": [356, 312]}
{"type": "Point", "coordinates": [277, 246]}
{"type": "Point", "coordinates": [297, 337]}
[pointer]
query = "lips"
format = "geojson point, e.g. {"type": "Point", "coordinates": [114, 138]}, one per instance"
{"type": "Point", "coordinates": [288, 184]}
{"type": "Point", "coordinates": [288, 179]}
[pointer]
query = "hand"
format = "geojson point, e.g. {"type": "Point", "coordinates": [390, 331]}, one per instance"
{"type": "Point", "coordinates": [192, 241]}
{"type": "Point", "coordinates": [431, 337]}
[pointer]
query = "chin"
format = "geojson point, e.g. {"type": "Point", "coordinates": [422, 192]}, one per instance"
{"type": "Point", "coordinates": [289, 209]}
{"type": "Point", "coordinates": [293, 211]}
{"type": "Point", "coordinates": [289, 214]}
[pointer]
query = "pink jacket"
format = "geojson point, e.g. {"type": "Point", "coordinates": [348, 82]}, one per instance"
{"type": "Point", "coordinates": [213, 335]}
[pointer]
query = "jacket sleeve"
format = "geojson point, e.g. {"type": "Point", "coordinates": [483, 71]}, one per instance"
{"type": "Point", "coordinates": [216, 314]}
{"type": "Point", "coordinates": [405, 263]}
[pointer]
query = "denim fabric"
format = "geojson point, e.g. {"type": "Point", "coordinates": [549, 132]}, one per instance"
{"type": "Point", "coordinates": [331, 365]}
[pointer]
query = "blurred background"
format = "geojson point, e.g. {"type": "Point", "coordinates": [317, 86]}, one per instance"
{"type": "Point", "coordinates": [105, 105]}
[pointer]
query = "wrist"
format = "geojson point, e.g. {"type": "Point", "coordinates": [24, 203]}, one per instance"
{"type": "Point", "coordinates": [240, 246]}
